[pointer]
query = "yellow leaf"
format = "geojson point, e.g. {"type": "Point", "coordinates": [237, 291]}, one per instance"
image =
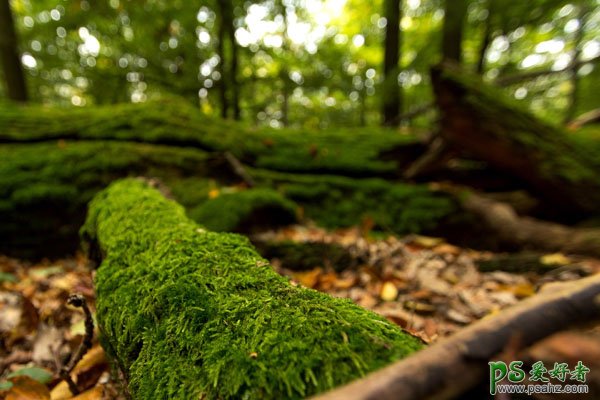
{"type": "Point", "coordinates": [389, 292]}
{"type": "Point", "coordinates": [554, 259]}
{"type": "Point", "coordinates": [61, 392]}
{"type": "Point", "coordinates": [213, 193]}
{"type": "Point", "coordinates": [427, 241]}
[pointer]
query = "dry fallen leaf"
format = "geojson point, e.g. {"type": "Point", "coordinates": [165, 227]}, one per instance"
{"type": "Point", "coordinates": [25, 388]}
{"type": "Point", "coordinates": [555, 259]}
{"type": "Point", "coordinates": [308, 279]}
{"type": "Point", "coordinates": [346, 282]}
{"type": "Point", "coordinates": [427, 241]}
{"type": "Point", "coordinates": [389, 292]}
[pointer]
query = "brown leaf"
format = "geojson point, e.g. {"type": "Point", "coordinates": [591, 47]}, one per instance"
{"type": "Point", "coordinates": [308, 279]}
{"type": "Point", "coordinates": [25, 388]}
{"type": "Point", "coordinates": [327, 281]}
{"type": "Point", "coordinates": [446, 248]}
{"type": "Point", "coordinates": [346, 282]}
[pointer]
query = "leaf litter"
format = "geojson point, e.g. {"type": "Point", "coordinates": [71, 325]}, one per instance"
{"type": "Point", "coordinates": [428, 287]}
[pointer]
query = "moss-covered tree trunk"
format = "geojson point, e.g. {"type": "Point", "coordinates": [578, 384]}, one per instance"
{"type": "Point", "coordinates": [477, 119]}
{"type": "Point", "coordinates": [55, 160]}
{"type": "Point", "coordinates": [190, 314]}
{"type": "Point", "coordinates": [173, 122]}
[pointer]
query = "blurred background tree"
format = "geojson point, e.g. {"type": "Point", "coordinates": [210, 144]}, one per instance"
{"type": "Point", "coordinates": [310, 63]}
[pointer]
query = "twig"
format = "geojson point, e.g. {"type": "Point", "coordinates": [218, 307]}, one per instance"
{"type": "Point", "coordinates": [437, 154]}
{"type": "Point", "coordinates": [239, 169]}
{"type": "Point", "coordinates": [77, 300]}
{"type": "Point", "coordinates": [18, 357]}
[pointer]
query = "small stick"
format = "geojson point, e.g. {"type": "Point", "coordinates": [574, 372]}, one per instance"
{"type": "Point", "coordinates": [239, 169]}
{"type": "Point", "coordinates": [77, 300]}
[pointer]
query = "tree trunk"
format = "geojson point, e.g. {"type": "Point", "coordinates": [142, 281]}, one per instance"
{"type": "Point", "coordinates": [221, 50]}
{"type": "Point", "coordinates": [392, 97]}
{"type": "Point", "coordinates": [234, 66]}
{"type": "Point", "coordinates": [14, 78]}
{"type": "Point", "coordinates": [487, 38]}
{"type": "Point", "coordinates": [573, 68]}
{"type": "Point", "coordinates": [454, 16]}
{"type": "Point", "coordinates": [479, 119]}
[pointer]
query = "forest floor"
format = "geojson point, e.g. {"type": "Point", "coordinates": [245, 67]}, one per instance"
{"type": "Point", "coordinates": [428, 287]}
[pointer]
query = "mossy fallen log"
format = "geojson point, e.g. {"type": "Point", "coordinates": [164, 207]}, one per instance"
{"type": "Point", "coordinates": [481, 121]}
{"type": "Point", "coordinates": [44, 188]}
{"type": "Point", "coordinates": [173, 122]}
{"type": "Point", "coordinates": [336, 201]}
{"type": "Point", "coordinates": [190, 314]}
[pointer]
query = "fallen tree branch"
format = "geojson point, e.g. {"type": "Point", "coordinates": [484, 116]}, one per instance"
{"type": "Point", "coordinates": [529, 232]}
{"type": "Point", "coordinates": [456, 364]}
{"type": "Point", "coordinates": [438, 153]}
{"type": "Point", "coordinates": [589, 117]}
{"type": "Point", "coordinates": [239, 169]}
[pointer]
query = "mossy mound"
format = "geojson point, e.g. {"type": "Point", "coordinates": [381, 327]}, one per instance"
{"type": "Point", "coordinates": [240, 210]}
{"type": "Point", "coordinates": [191, 314]}
{"type": "Point", "coordinates": [45, 187]}
{"type": "Point", "coordinates": [172, 121]}
{"type": "Point", "coordinates": [335, 201]}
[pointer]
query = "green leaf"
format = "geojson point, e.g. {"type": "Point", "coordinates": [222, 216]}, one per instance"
{"type": "Point", "coordinates": [5, 385]}
{"type": "Point", "coordinates": [38, 374]}
{"type": "Point", "coordinates": [6, 277]}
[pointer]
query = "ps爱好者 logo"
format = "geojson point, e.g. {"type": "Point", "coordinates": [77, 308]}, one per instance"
{"type": "Point", "coordinates": [510, 378]}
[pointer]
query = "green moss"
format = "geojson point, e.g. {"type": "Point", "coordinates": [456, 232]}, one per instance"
{"type": "Point", "coordinates": [192, 314]}
{"type": "Point", "coordinates": [45, 187]}
{"type": "Point", "coordinates": [234, 212]}
{"type": "Point", "coordinates": [173, 121]}
{"type": "Point", "coordinates": [334, 201]}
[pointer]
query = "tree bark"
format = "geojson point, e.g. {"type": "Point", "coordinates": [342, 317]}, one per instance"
{"type": "Point", "coordinates": [234, 67]}
{"type": "Point", "coordinates": [526, 232]}
{"type": "Point", "coordinates": [573, 70]}
{"type": "Point", "coordinates": [14, 78]}
{"type": "Point", "coordinates": [452, 366]}
{"type": "Point", "coordinates": [392, 97]}
{"type": "Point", "coordinates": [454, 16]}
{"type": "Point", "coordinates": [479, 120]}
{"type": "Point", "coordinates": [221, 50]}
{"type": "Point", "coordinates": [487, 38]}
